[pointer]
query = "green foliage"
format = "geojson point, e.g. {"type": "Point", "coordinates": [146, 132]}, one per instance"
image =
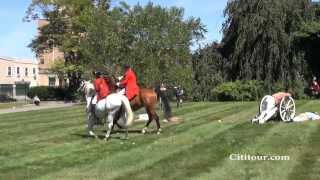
{"type": "Point", "coordinates": [209, 69]}
{"type": "Point", "coordinates": [238, 91]}
{"type": "Point", "coordinates": [307, 42]}
{"type": "Point", "coordinates": [62, 69]}
{"type": "Point", "coordinates": [64, 30]}
{"type": "Point", "coordinates": [258, 39]}
{"type": "Point", "coordinates": [274, 41]}
{"type": "Point", "coordinates": [154, 40]}
{"type": "Point", "coordinates": [51, 93]}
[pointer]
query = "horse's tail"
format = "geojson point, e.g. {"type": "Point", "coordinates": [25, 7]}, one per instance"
{"type": "Point", "coordinates": [128, 110]}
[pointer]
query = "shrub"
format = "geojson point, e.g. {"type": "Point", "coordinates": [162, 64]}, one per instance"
{"type": "Point", "coordinates": [238, 91]}
{"type": "Point", "coordinates": [298, 88]}
{"type": "Point", "coordinates": [51, 93]}
{"type": "Point", "coordinates": [6, 98]}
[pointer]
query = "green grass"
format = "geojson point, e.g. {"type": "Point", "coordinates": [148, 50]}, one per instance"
{"type": "Point", "coordinates": [52, 144]}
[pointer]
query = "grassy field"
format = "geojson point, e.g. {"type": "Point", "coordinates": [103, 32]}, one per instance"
{"type": "Point", "coordinates": [52, 144]}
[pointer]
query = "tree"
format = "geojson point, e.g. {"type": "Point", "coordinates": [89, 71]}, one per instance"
{"type": "Point", "coordinates": [307, 41]}
{"type": "Point", "coordinates": [154, 40]}
{"type": "Point", "coordinates": [63, 31]}
{"type": "Point", "coordinates": [209, 69]}
{"type": "Point", "coordinates": [258, 40]}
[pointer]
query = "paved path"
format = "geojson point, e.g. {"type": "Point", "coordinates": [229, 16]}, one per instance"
{"type": "Point", "coordinates": [32, 107]}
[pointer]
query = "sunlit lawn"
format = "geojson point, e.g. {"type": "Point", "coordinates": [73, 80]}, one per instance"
{"type": "Point", "coordinates": [52, 144]}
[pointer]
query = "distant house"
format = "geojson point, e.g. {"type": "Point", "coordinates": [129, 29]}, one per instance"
{"type": "Point", "coordinates": [17, 76]}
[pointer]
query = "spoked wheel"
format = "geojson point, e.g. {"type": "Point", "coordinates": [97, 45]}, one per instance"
{"type": "Point", "coordinates": [287, 109]}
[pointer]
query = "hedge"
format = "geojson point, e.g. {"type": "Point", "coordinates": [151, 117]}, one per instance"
{"type": "Point", "coordinates": [238, 91]}
{"type": "Point", "coordinates": [52, 93]}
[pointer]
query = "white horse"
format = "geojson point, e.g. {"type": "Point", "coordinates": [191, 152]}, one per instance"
{"type": "Point", "coordinates": [106, 108]}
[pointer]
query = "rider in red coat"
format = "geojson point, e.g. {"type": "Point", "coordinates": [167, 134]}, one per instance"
{"type": "Point", "coordinates": [101, 87]}
{"type": "Point", "coordinates": [129, 81]}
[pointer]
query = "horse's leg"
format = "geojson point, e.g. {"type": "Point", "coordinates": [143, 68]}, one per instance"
{"type": "Point", "coordinates": [156, 117]}
{"type": "Point", "coordinates": [110, 124]}
{"type": "Point", "coordinates": [117, 117]}
{"type": "Point", "coordinates": [91, 124]}
{"type": "Point", "coordinates": [121, 114]}
{"type": "Point", "coordinates": [144, 130]}
{"type": "Point", "coordinates": [152, 115]}
{"type": "Point", "coordinates": [90, 117]}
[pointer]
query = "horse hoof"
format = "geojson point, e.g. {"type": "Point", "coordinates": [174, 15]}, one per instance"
{"type": "Point", "coordinates": [93, 134]}
{"type": "Point", "coordinates": [159, 131]}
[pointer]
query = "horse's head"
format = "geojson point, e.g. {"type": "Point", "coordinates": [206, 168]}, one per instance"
{"type": "Point", "coordinates": [86, 87]}
{"type": "Point", "coordinates": [82, 85]}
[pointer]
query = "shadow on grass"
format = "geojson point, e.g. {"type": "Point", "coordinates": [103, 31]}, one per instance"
{"type": "Point", "coordinates": [99, 136]}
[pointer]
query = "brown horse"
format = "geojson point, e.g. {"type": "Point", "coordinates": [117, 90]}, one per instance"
{"type": "Point", "coordinates": [146, 98]}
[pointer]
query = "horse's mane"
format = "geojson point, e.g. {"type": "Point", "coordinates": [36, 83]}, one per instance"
{"type": "Point", "coordinates": [110, 80]}
{"type": "Point", "coordinates": [89, 88]}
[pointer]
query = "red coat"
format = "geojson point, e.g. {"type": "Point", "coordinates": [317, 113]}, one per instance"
{"type": "Point", "coordinates": [130, 83]}
{"type": "Point", "coordinates": [101, 88]}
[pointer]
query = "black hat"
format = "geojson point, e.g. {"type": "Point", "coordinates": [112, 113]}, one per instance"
{"type": "Point", "coordinates": [98, 73]}
{"type": "Point", "coordinates": [126, 66]}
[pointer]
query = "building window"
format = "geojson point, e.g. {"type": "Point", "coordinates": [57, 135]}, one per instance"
{"type": "Point", "coordinates": [26, 72]}
{"type": "Point", "coordinates": [18, 71]}
{"type": "Point", "coordinates": [9, 71]}
{"type": "Point", "coordinates": [52, 81]}
{"type": "Point", "coordinates": [34, 71]}
{"type": "Point", "coordinates": [13, 71]}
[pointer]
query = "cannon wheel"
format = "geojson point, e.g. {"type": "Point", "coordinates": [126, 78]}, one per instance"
{"type": "Point", "coordinates": [287, 109]}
